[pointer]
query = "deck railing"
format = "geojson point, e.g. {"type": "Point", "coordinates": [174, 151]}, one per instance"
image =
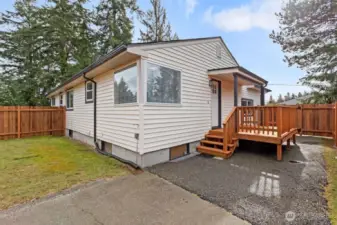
{"type": "Point", "coordinates": [266, 120]}
{"type": "Point", "coordinates": [229, 129]}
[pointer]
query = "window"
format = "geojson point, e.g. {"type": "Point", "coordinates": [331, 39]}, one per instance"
{"type": "Point", "coordinates": [89, 92]}
{"type": "Point", "coordinates": [125, 85]}
{"type": "Point", "coordinates": [61, 99]}
{"type": "Point", "coordinates": [163, 84]}
{"type": "Point", "coordinates": [53, 101]}
{"type": "Point", "coordinates": [247, 102]}
{"type": "Point", "coordinates": [70, 99]}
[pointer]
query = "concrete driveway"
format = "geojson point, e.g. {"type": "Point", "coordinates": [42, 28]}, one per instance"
{"type": "Point", "coordinates": [141, 199]}
{"type": "Point", "coordinates": [254, 186]}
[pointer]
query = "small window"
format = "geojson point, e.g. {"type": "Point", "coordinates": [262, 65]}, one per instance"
{"type": "Point", "coordinates": [247, 102]}
{"type": "Point", "coordinates": [89, 92]}
{"type": "Point", "coordinates": [125, 85]}
{"type": "Point", "coordinates": [70, 99]}
{"type": "Point", "coordinates": [61, 99]}
{"type": "Point", "coordinates": [218, 52]}
{"type": "Point", "coordinates": [163, 84]}
{"type": "Point", "coordinates": [53, 101]}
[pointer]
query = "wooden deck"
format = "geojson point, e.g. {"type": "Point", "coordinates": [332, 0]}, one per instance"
{"type": "Point", "coordinates": [269, 124]}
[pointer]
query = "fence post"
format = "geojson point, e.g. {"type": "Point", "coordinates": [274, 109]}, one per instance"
{"type": "Point", "coordinates": [64, 120]}
{"type": "Point", "coordinates": [335, 124]}
{"type": "Point", "coordinates": [19, 122]}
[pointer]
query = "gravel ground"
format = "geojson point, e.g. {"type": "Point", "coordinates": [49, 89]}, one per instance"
{"type": "Point", "coordinates": [254, 186]}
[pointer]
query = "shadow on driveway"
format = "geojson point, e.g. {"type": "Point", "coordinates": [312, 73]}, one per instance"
{"type": "Point", "coordinates": [254, 186]}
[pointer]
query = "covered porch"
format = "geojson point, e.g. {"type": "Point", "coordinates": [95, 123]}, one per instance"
{"type": "Point", "coordinates": [231, 87]}
{"type": "Point", "coordinates": [253, 122]}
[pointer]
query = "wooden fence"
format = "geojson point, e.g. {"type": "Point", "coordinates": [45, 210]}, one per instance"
{"type": "Point", "coordinates": [27, 121]}
{"type": "Point", "coordinates": [318, 119]}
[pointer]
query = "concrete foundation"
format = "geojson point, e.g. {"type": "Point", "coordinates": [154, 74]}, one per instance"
{"type": "Point", "coordinates": [145, 160]}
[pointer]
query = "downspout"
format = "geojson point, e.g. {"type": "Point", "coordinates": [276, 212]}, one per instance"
{"type": "Point", "coordinates": [98, 149]}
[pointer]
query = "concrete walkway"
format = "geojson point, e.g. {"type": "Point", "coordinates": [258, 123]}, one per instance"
{"type": "Point", "coordinates": [141, 199]}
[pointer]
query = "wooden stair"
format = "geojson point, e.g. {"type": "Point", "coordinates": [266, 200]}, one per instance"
{"type": "Point", "coordinates": [221, 142]}
{"type": "Point", "coordinates": [213, 145]}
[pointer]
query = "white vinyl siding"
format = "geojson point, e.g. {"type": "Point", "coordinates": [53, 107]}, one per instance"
{"type": "Point", "coordinates": [81, 118]}
{"type": "Point", "coordinates": [251, 94]}
{"type": "Point", "coordinates": [116, 124]}
{"type": "Point", "coordinates": [169, 126]}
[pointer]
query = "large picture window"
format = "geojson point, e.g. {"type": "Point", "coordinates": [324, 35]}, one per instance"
{"type": "Point", "coordinates": [70, 99]}
{"type": "Point", "coordinates": [163, 84]}
{"type": "Point", "coordinates": [125, 85]}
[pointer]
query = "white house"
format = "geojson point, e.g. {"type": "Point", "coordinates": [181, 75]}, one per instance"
{"type": "Point", "coordinates": [156, 101]}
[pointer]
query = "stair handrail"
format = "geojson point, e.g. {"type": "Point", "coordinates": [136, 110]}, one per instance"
{"type": "Point", "coordinates": [225, 128]}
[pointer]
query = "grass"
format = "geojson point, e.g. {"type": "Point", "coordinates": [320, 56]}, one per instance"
{"type": "Point", "coordinates": [34, 167]}
{"type": "Point", "coordinates": [330, 157]}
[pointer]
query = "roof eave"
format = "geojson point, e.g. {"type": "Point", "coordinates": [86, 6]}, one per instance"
{"type": "Point", "coordinates": [97, 63]}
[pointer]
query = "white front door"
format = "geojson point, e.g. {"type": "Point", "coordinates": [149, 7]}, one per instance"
{"type": "Point", "coordinates": [215, 103]}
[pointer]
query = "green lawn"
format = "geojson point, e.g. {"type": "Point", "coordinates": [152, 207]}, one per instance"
{"type": "Point", "coordinates": [34, 167]}
{"type": "Point", "coordinates": [330, 157]}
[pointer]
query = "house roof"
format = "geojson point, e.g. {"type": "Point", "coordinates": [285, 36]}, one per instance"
{"type": "Point", "coordinates": [295, 101]}
{"type": "Point", "coordinates": [243, 70]}
{"type": "Point", "coordinates": [121, 48]}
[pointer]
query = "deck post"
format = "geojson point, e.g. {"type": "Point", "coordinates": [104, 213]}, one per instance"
{"type": "Point", "coordinates": [279, 121]}
{"type": "Point", "coordinates": [279, 152]}
{"type": "Point", "coordinates": [288, 144]}
{"type": "Point", "coordinates": [294, 139]}
{"type": "Point", "coordinates": [225, 131]}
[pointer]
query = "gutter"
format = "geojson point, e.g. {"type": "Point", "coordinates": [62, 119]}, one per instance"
{"type": "Point", "coordinates": [98, 149]}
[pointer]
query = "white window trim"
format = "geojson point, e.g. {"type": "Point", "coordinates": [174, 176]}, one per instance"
{"type": "Point", "coordinates": [69, 108]}
{"type": "Point", "coordinates": [86, 91]}
{"type": "Point", "coordinates": [162, 103]}
{"type": "Point", "coordinates": [247, 100]}
{"type": "Point", "coordinates": [61, 98]}
{"type": "Point", "coordinates": [53, 101]}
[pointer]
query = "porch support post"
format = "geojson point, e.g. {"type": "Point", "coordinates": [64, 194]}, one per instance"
{"type": "Point", "coordinates": [236, 99]}
{"type": "Point", "coordinates": [262, 102]}
{"type": "Point", "coordinates": [235, 89]}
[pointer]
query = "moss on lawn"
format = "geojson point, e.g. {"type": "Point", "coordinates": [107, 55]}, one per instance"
{"type": "Point", "coordinates": [330, 157]}
{"type": "Point", "coordinates": [34, 167]}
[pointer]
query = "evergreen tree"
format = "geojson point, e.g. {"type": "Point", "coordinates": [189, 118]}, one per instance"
{"type": "Point", "coordinates": [43, 46]}
{"type": "Point", "coordinates": [20, 53]}
{"type": "Point", "coordinates": [279, 99]}
{"type": "Point", "coordinates": [271, 100]}
{"type": "Point", "coordinates": [309, 39]}
{"type": "Point", "coordinates": [299, 94]}
{"type": "Point", "coordinates": [293, 96]}
{"type": "Point", "coordinates": [287, 97]}
{"type": "Point", "coordinates": [114, 26]}
{"type": "Point", "coordinates": [157, 28]}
